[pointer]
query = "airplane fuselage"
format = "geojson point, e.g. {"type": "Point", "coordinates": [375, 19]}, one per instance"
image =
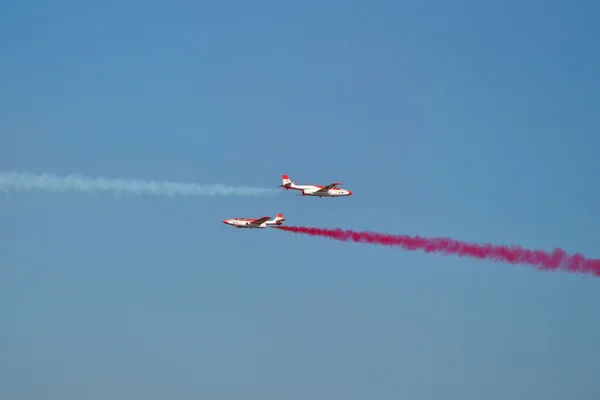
{"type": "Point", "coordinates": [248, 223]}
{"type": "Point", "coordinates": [311, 190]}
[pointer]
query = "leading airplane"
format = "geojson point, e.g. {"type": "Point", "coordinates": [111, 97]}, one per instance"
{"type": "Point", "coordinates": [330, 190]}
{"type": "Point", "coordinates": [252, 223]}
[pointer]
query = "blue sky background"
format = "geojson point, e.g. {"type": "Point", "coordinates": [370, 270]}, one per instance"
{"type": "Point", "coordinates": [467, 119]}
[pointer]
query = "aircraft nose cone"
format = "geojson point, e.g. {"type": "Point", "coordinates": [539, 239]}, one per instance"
{"type": "Point", "coordinates": [349, 192]}
{"type": "Point", "coordinates": [225, 221]}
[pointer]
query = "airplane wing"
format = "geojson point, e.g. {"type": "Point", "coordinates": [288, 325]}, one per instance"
{"type": "Point", "coordinates": [260, 220]}
{"type": "Point", "coordinates": [330, 186]}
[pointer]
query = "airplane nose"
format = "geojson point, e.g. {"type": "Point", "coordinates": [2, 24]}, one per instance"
{"type": "Point", "coordinates": [349, 192]}
{"type": "Point", "coordinates": [225, 221]}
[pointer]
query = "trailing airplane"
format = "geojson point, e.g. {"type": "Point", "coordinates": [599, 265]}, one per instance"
{"type": "Point", "coordinates": [330, 190]}
{"type": "Point", "coordinates": [254, 222]}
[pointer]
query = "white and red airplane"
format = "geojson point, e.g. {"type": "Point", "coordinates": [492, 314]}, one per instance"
{"type": "Point", "coordinates": [254, 222]}
{"type": "Point", "coordinates": [330, 190]}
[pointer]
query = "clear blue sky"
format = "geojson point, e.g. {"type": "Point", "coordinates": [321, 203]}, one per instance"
{"type": "Point", "coordinates": [463, 119]}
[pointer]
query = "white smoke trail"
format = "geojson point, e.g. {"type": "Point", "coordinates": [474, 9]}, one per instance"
{"type": "Point", "coordinates": [27, 182]}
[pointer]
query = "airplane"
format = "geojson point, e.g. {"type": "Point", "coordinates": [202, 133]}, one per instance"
{"type": "Point", "coordinates": [254, 223]}
{"type": "Point", "coordinates": [330, 190]}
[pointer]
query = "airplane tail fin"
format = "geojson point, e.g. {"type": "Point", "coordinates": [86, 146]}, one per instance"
{"type": "Point", "coordinates": [286, 182]}
{"type": "Point", "coordinates": [279, 219]}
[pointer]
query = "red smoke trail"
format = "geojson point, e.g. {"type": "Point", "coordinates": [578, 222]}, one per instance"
{"type": "Point", "coordinates": [558, 259]}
